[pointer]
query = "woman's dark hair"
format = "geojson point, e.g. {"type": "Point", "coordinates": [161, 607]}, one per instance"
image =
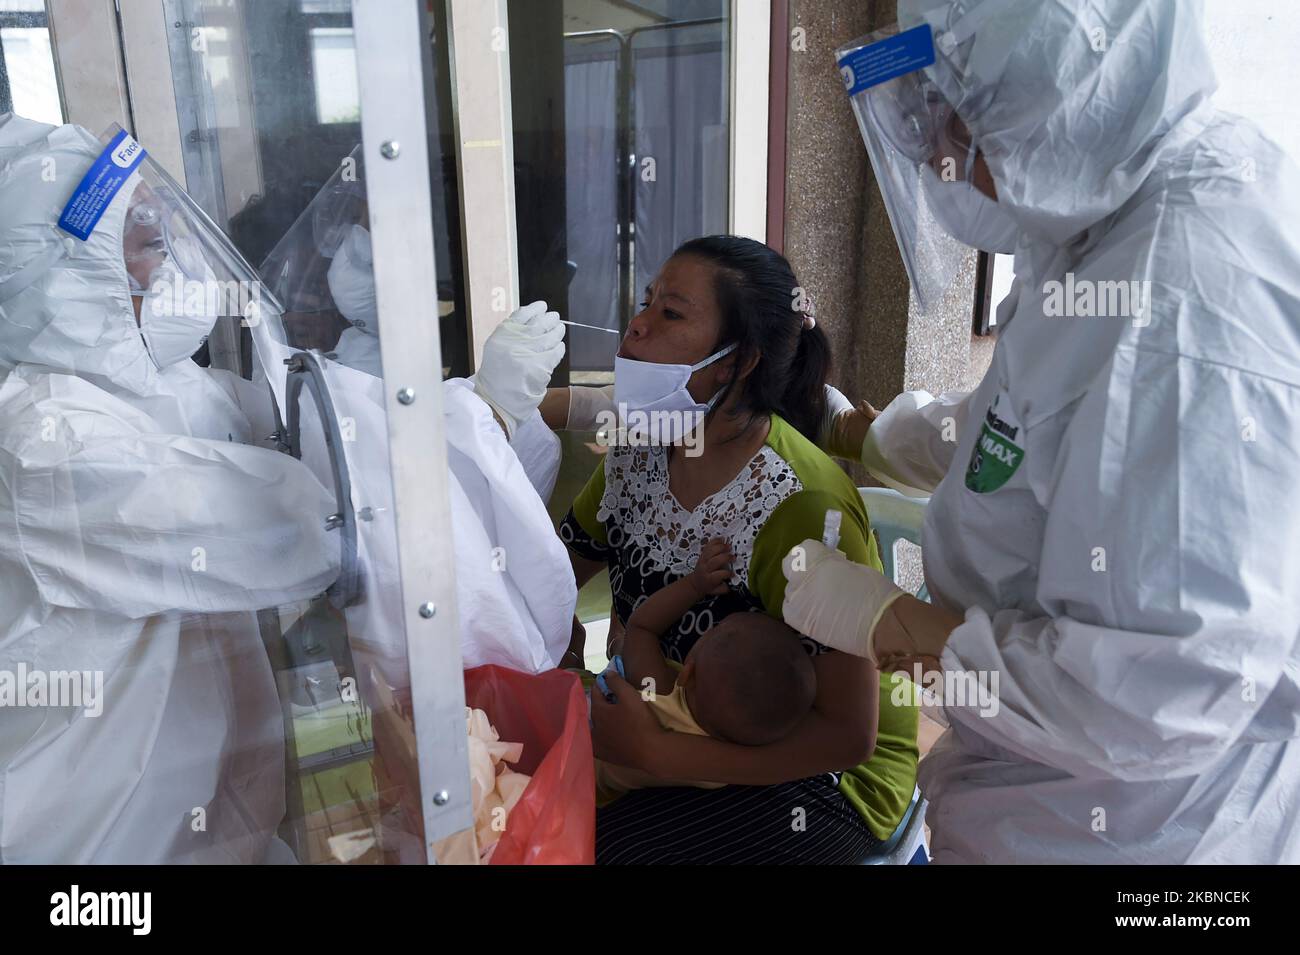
{"type": "Point", "coordinates": [760, 300]}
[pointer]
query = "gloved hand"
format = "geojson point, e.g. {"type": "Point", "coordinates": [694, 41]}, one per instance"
{"type": "Point", "coordinates": [518, 359]}
{"type": "Point", "coordinates": [586, 403]}
{"type": "Point", "coordinates": [836, 405]}
{"type": "Point", "coordinates": [835, 601]}
{"type": "Point", "coordinates": [844, 427]}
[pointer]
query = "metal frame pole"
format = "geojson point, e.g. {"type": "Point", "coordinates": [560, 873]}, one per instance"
{"type": "Point", "coordinates": [395, 72]}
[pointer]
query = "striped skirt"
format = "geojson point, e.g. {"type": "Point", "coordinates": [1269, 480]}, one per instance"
{"type": "Point", "coordinates": [805, 822]}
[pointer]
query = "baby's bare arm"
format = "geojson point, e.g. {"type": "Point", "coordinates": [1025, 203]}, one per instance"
{"type": "Point", "coordinates": [641, 654]}
{"type": "Point", "coordinates": [642, 658]}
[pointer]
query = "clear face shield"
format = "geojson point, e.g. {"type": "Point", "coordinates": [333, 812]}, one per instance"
{"type": "Point", "coordinates": [338, 207]}
{"type": "Point", "coordinates": [158, 241]}
{"type": "Point", "coordinates": [193, 284]}
{"type": "Point", "coordinates": [921, 152]}
{"type": "Point", "coordinates": [321, 269]}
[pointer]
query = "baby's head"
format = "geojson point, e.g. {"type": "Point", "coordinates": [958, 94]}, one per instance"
{"type": "Point", "coordinates": [749, 680]}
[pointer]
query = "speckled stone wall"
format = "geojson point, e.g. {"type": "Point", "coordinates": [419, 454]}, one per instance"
{"type": "Point", "coordinates": [837, 234]}
{"type": "Point", "coordinates": [839, 241]}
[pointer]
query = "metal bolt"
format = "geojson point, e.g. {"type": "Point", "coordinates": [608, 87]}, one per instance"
{"type": "Point", "coordinates": [406, 396]}
{"type": "Point", "coordinates": [441, 797]}
{"type": "Point", "coordinates": [427, 609]}
{"type": "Point", "coordinates": [391, 149]}
{"type": "Point", "coordinates": [333, 522]}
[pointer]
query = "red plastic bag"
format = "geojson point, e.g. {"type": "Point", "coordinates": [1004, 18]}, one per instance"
{"type": "Point", "coordinates": [554, 822]}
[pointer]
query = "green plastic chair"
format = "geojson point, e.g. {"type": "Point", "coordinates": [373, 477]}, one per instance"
{"type": "Point", "coordinates": [895, 517]}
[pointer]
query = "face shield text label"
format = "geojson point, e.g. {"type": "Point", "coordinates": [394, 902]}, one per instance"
{"type": "Point", "coordinates": [887, 59]}
{"type": "Point", "coordinates": [100, 184]}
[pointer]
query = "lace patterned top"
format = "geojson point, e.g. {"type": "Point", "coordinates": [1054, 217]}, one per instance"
{"type": "Point", "coordinates": [628, 517]}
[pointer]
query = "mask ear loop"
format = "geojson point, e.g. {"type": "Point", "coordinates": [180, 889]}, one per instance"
{"type": "Point", "coordinates": [720, 353]}
{"type": "Point", "coordinates": [711, 404]}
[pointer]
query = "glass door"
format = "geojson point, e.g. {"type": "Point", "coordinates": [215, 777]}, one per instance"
{"type": "Point", "coordinates": [621, 116]}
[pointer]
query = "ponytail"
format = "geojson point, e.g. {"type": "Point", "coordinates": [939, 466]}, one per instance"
{"type": "Point", "coordinates": [804, 401]}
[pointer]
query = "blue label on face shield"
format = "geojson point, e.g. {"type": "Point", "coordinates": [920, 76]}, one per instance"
{"type": "Point", "coordinates": [887, 59]}
{"type": "Point", "coordinates": [100, 184]}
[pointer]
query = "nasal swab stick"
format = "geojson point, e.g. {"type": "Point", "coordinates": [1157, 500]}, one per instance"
{"type": "Point", "coordinates": [595, 328]}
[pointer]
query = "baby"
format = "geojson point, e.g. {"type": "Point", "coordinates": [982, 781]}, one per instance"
{"type": "Point", "coordinates": [747, 680]}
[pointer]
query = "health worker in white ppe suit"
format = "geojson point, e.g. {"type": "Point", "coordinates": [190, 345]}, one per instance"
{"type": "Point", "coordinates": [351, 278]}
{"type": "Point", "coordinates": [140, 528]}
{"type": "Point", "coordinates": [514, 582]}
{"type": "Point", "coordinates": [1112, 533]}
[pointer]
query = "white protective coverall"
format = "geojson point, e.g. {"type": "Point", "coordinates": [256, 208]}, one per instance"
{"type": "Point", "coordinates": [1133, 582]}
{"type": "Point", "coordinates": [514, 583]}
{"type": "Point", "coordinates": [515, 589]}
{"type": "Point", "coordinates": [351, 278]}
{"type": "Point", "coordinates": [138, 535]}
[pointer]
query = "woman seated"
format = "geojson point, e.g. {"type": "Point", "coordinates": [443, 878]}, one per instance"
{"type": "Point", "coordinates": [838, 784]}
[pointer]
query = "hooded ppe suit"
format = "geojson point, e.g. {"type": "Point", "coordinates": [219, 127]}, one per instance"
{"type": "Point", "coordinates": [1118, 516]}
{"type": "Point", "coordinates": [138, 535]}
{"type": "Point", "coordinates": [515, 591]}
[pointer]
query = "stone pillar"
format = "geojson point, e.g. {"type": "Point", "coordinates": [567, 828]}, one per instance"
{"type": "Point", "coordinates": [840, 243]}
{"type": "Point", "coordinates": [838, 237]}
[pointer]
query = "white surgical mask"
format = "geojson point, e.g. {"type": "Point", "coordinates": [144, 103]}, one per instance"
{"type": "Point", "coordinates": [968, 215]}
{"type": "Point", "coordinates": [647, 387]}
{"type": "Point", "coordinates": [173, 323]}
{"type": "Point", "coordinates": [351, 279]}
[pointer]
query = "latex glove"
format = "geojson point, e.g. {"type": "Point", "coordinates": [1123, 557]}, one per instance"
{"type": "Point", "coordinates": [518, 359]}
{"type": "Point", "coordinates": [586, 403]}
{"type": "Point", "coordinates": [844, 427]}
{"type": "Point", "coordinates": [836, 404]}
{"type": "Point", "coordinates": [493, 786]}
{"type": "Point", "coordinates": [834, 600]}
{"type": "Point", "coordinates": [510, 787]}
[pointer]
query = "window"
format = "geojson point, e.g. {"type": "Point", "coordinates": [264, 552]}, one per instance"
{"type": "Point", "coordinates": [622, 136]}
{"type": "Point", "coordinates": [334, 69]}
{"type": "Point", "coordinates": [28, 84]}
